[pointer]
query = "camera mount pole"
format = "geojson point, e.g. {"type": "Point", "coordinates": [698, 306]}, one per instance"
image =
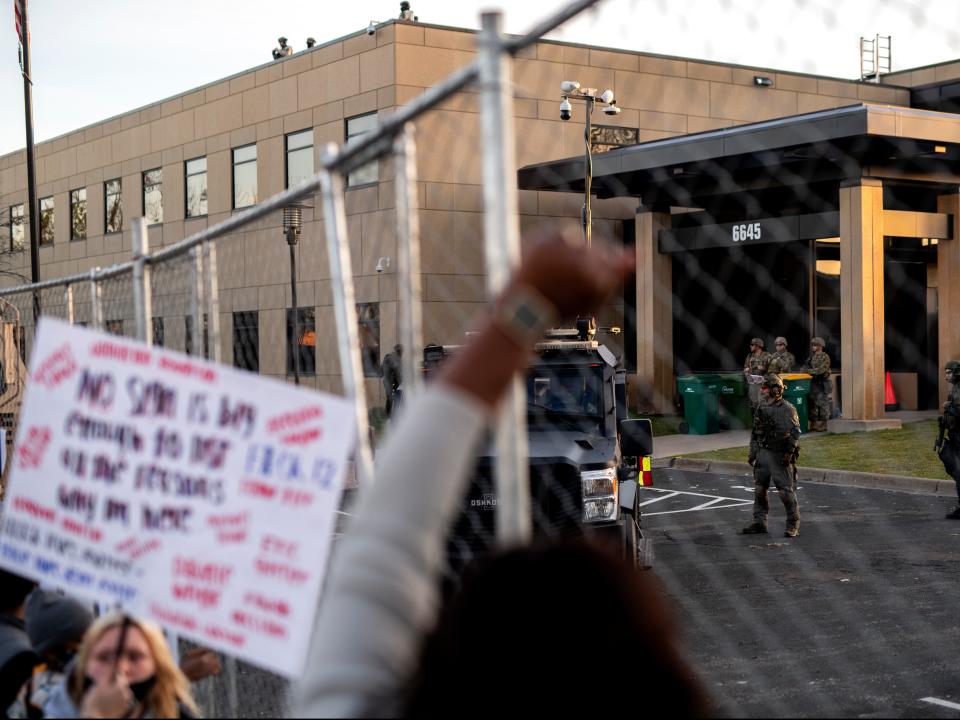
{"type": "Point", "coordinates": [34, 213]}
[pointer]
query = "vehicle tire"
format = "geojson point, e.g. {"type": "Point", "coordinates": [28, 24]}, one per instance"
{"type": "Point", "coordinates": [684, 427]}
{"type": "Point", "coordinates": [630, 536]}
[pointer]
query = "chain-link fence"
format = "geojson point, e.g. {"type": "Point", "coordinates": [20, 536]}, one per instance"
{"type": "Point", "coordinates": [760, 215]}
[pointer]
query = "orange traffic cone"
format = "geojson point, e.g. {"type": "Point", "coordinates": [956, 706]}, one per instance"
{"type": "Point", "coordinates": [889, 397]}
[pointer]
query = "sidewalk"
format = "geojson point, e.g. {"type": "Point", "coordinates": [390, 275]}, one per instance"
{"type": "Point", "coordinates": [666, 448]}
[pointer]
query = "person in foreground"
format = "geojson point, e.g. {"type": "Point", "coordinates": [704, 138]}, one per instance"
{"type": "Point", "coordinates": [125, 670]}
{"type": "Point", "coordinates": [369, 655]}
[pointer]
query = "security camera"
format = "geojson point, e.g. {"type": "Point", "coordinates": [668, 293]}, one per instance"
{"type": "Point", "coordinates": [565, 108]}
{"type": "Point", "coordinates": [607, 97]}
{"type": "Point", "coordinates": [569, 86]}
{"type": "Point", "coordinates": [611, 110]}
{"type": "Point", "coordinates": [382, 264]}
{"type": "Point", "coordinates": [372, 27]}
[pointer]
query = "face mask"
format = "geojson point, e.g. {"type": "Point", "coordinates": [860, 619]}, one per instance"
{"type": "Point", "coordinates": [141, 689]}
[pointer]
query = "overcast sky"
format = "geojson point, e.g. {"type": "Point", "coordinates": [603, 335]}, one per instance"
{"type": "Point", "coordinates": [93, 59]}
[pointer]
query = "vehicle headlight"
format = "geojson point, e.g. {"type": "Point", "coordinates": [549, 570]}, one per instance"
{"type": "Point", "coordinates": [599, 495]}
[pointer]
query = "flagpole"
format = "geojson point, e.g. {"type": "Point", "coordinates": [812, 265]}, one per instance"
{"type": "Point", "coordinates": [34, 216]}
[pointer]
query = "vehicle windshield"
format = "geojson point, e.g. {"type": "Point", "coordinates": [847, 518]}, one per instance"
{"type": "Point", "coordinates": [565, 398]}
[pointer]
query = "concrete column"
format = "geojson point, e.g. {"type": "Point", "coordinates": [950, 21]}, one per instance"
{"type": "Point", "coordinates": [861, 299]}
{"type": "Point", "coordinates": [654, 380]}
{"type": "Point", "coordinates": [948, 289]}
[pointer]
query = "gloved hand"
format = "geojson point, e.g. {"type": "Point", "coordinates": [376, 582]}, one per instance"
{"type": "Point", "coordinates": [786, 458]}
{"type": "Point", "coordinates": [752, 460]}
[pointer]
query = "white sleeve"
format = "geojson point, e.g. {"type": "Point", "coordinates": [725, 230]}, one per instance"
{"type": "Point", "coordinates": [382, 594]}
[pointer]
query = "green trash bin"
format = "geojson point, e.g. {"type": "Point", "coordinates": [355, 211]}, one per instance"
{"type": "Point", "coordinates": [735, 412]}
{"type": "Point", "coordinates": [701, 408]}
{"type": "Point", "coordinates": [796, 391]}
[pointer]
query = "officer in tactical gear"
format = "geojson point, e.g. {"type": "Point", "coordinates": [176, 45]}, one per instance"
{"type": "Point", "coordinates": [284, 50]}
{"type": "Point", "coordinates": [774, 449]}
{"type": "Point", "coordinates": [406, 13]}
{"type": "Point", "coordinates": [754, 368]}
{"type": "Point", "coordinates": [948, 439]}
{"type": "Point", "coordinates": [391, 370]}
{"type": "Point", "coordinates": [821, 389]}
{"type": "Point", "coordinates": [781, 360]}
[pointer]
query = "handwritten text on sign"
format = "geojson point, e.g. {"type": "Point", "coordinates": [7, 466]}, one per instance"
{"type": "Point", "coordinates": [198, 495]}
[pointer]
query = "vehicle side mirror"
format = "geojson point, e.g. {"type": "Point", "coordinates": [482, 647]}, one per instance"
{"type": "Point", "coordinates": [636, 438]}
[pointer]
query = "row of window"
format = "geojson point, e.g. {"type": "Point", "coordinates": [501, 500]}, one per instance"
{"type": "Point", "coordinates": [246, 338]}
{"type": "Point", "coordinates": [299, 168]}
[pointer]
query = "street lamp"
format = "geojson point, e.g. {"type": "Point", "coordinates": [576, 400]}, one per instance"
{"type": "Point", "coordinates": [292, 225]}
{"type": "Point", "coordinates": [571, 90]}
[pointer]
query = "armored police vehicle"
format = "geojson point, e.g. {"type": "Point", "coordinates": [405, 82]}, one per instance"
{"type": "Point", "coordinates": [587, 459]}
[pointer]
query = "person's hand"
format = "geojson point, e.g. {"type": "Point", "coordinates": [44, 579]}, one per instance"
{"type": "Point", "coordinates": [110, 699]}
{"type": "Point", "coordinates": [576, 279]}
{"type": "Point", "coordinates": [199, 663]}
{"type": "Point", "coordinates": [752, 460]}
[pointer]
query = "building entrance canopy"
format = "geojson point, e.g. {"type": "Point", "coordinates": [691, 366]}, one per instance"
{"type": "Point", "coordinates": [795, 163]}
{"type": "Point", "coordinates": [864, 173]}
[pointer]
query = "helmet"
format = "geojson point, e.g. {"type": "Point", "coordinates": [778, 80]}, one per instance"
{"type": "Point", "coordinates": [282, 40]}
{"type": "Point", "coordinates": [780, 339]}
{"type": "Point", "coordinates": [758, 342]}
{"type": "Point", "coordinates": [818, 341]}
{"type": "Point", "coordinates": [952, 366]}
{"type": "Point", "coordinates": [774, 383]}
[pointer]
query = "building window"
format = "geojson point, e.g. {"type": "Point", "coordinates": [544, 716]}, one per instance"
{"type": "Point", "coordinates": [156, 325]}
{"type": "Point", "coordinates": [114, 327]}
{"type": "Point", "coordinates": [244, 176]}
{"type": "Point", "coordinates": [246, 340]}
{"type": "Point", "coordinates": [357, 126]}
{"type": "Point", "coordinates": [827, 298]}
{"type": "Point", "coordinates": [368, 318]}
{"type": "Point", "coordinates": [196, 182]}
{"type": "Point", "coordinates": [78, 214]}
{"type": "Point", "coordinates": [113, 211]}
{"type": "Point", "coordinates": [153, 196]}
{"type": "Point", "coordinates": [46, 221]}
{"type": "Point", "coordinates": [17, 241]}
{"type": "Point", "coordinates": [188, 336]}
{"type": "Point", "coordinates": [299, 157]}
{"type": "Point", "coordinates": [306, 344]}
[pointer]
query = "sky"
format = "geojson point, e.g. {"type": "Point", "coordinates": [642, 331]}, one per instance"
{"type": "Point", "coordinates": [99, 58]}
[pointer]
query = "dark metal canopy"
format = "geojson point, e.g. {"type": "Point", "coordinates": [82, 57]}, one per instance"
{"type": "Point", "coordinates": [795, 164]}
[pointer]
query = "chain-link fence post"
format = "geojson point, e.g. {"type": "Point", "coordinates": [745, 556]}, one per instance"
{"type": "Point", "coordinates": [408, 258]}
{"type": "Point", "coordinates": [68, 301]}
{"type": "Point", "coordinates": [195, 337]}
{"type": "Point", "coordinates": [502, 249]}
{"type": "Point", "coordinates": [96, 300]}
{"type": "Point", "coordinates": [344, 302]}
{"type": "Point", "coordinates": [141, 281]}
{"type": "Point", "coordinates": [212, 299]}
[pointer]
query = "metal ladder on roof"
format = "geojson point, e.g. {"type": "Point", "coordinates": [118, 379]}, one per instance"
{"type": "Point", "coordinates": [876, 57]}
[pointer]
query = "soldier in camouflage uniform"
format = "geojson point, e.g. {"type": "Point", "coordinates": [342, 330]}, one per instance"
{"type": "Point", "coordinates": [782, 360]}
{"type": "Point", "coordinates": [774, 448]}
{"type": "Point", "coordinates": [949, 450]}
{"type": "Point", "coordinates": [818, 365]}
{"type": "Point", "coordinates": [754, 368]}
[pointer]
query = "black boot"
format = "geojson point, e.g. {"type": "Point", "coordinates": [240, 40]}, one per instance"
{"type": "Point", "coordinates": [954, 514]}
{"type": "Point", "coordinates": [754, 528]}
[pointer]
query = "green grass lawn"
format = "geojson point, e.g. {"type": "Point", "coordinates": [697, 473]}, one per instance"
{"type": "Point", "coordinates": [908, 451]}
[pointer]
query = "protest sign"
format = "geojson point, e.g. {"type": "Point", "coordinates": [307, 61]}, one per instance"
{"type": "Point", "coordinates": [191, 493]}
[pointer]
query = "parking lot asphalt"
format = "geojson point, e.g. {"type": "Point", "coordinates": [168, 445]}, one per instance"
{"type": "Point", "coordinates": [858, 617]}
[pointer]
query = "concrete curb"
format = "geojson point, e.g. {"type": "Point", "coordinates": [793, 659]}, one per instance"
{"type": "Point", "coordinates": [903, 483]}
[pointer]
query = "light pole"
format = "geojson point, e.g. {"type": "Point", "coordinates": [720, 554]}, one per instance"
{"type": "Point", "coordinates": [570, 90]}
{"type": "Point", "coordinates": [292, 225]}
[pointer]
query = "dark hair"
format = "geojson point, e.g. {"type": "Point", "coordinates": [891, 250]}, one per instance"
{"type": "Point", "coordinates": [13, 590]}
{"type": "Point", "coordinates": [548, 630]}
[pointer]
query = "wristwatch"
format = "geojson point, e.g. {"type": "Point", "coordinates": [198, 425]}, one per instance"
{"type": "Point", "coordinates": [524, 315]}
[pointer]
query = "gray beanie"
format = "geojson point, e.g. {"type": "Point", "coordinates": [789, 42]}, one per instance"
{"type": "Point", "coordinates": [53, 619]}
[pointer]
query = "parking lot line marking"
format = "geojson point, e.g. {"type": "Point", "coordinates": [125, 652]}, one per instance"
{"type": "Point", "coordinates": [938, 701]}
{"type": "Point", "coordinates": [736, 503]}
{"type": "Point", "coordinates": [658, 499]}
